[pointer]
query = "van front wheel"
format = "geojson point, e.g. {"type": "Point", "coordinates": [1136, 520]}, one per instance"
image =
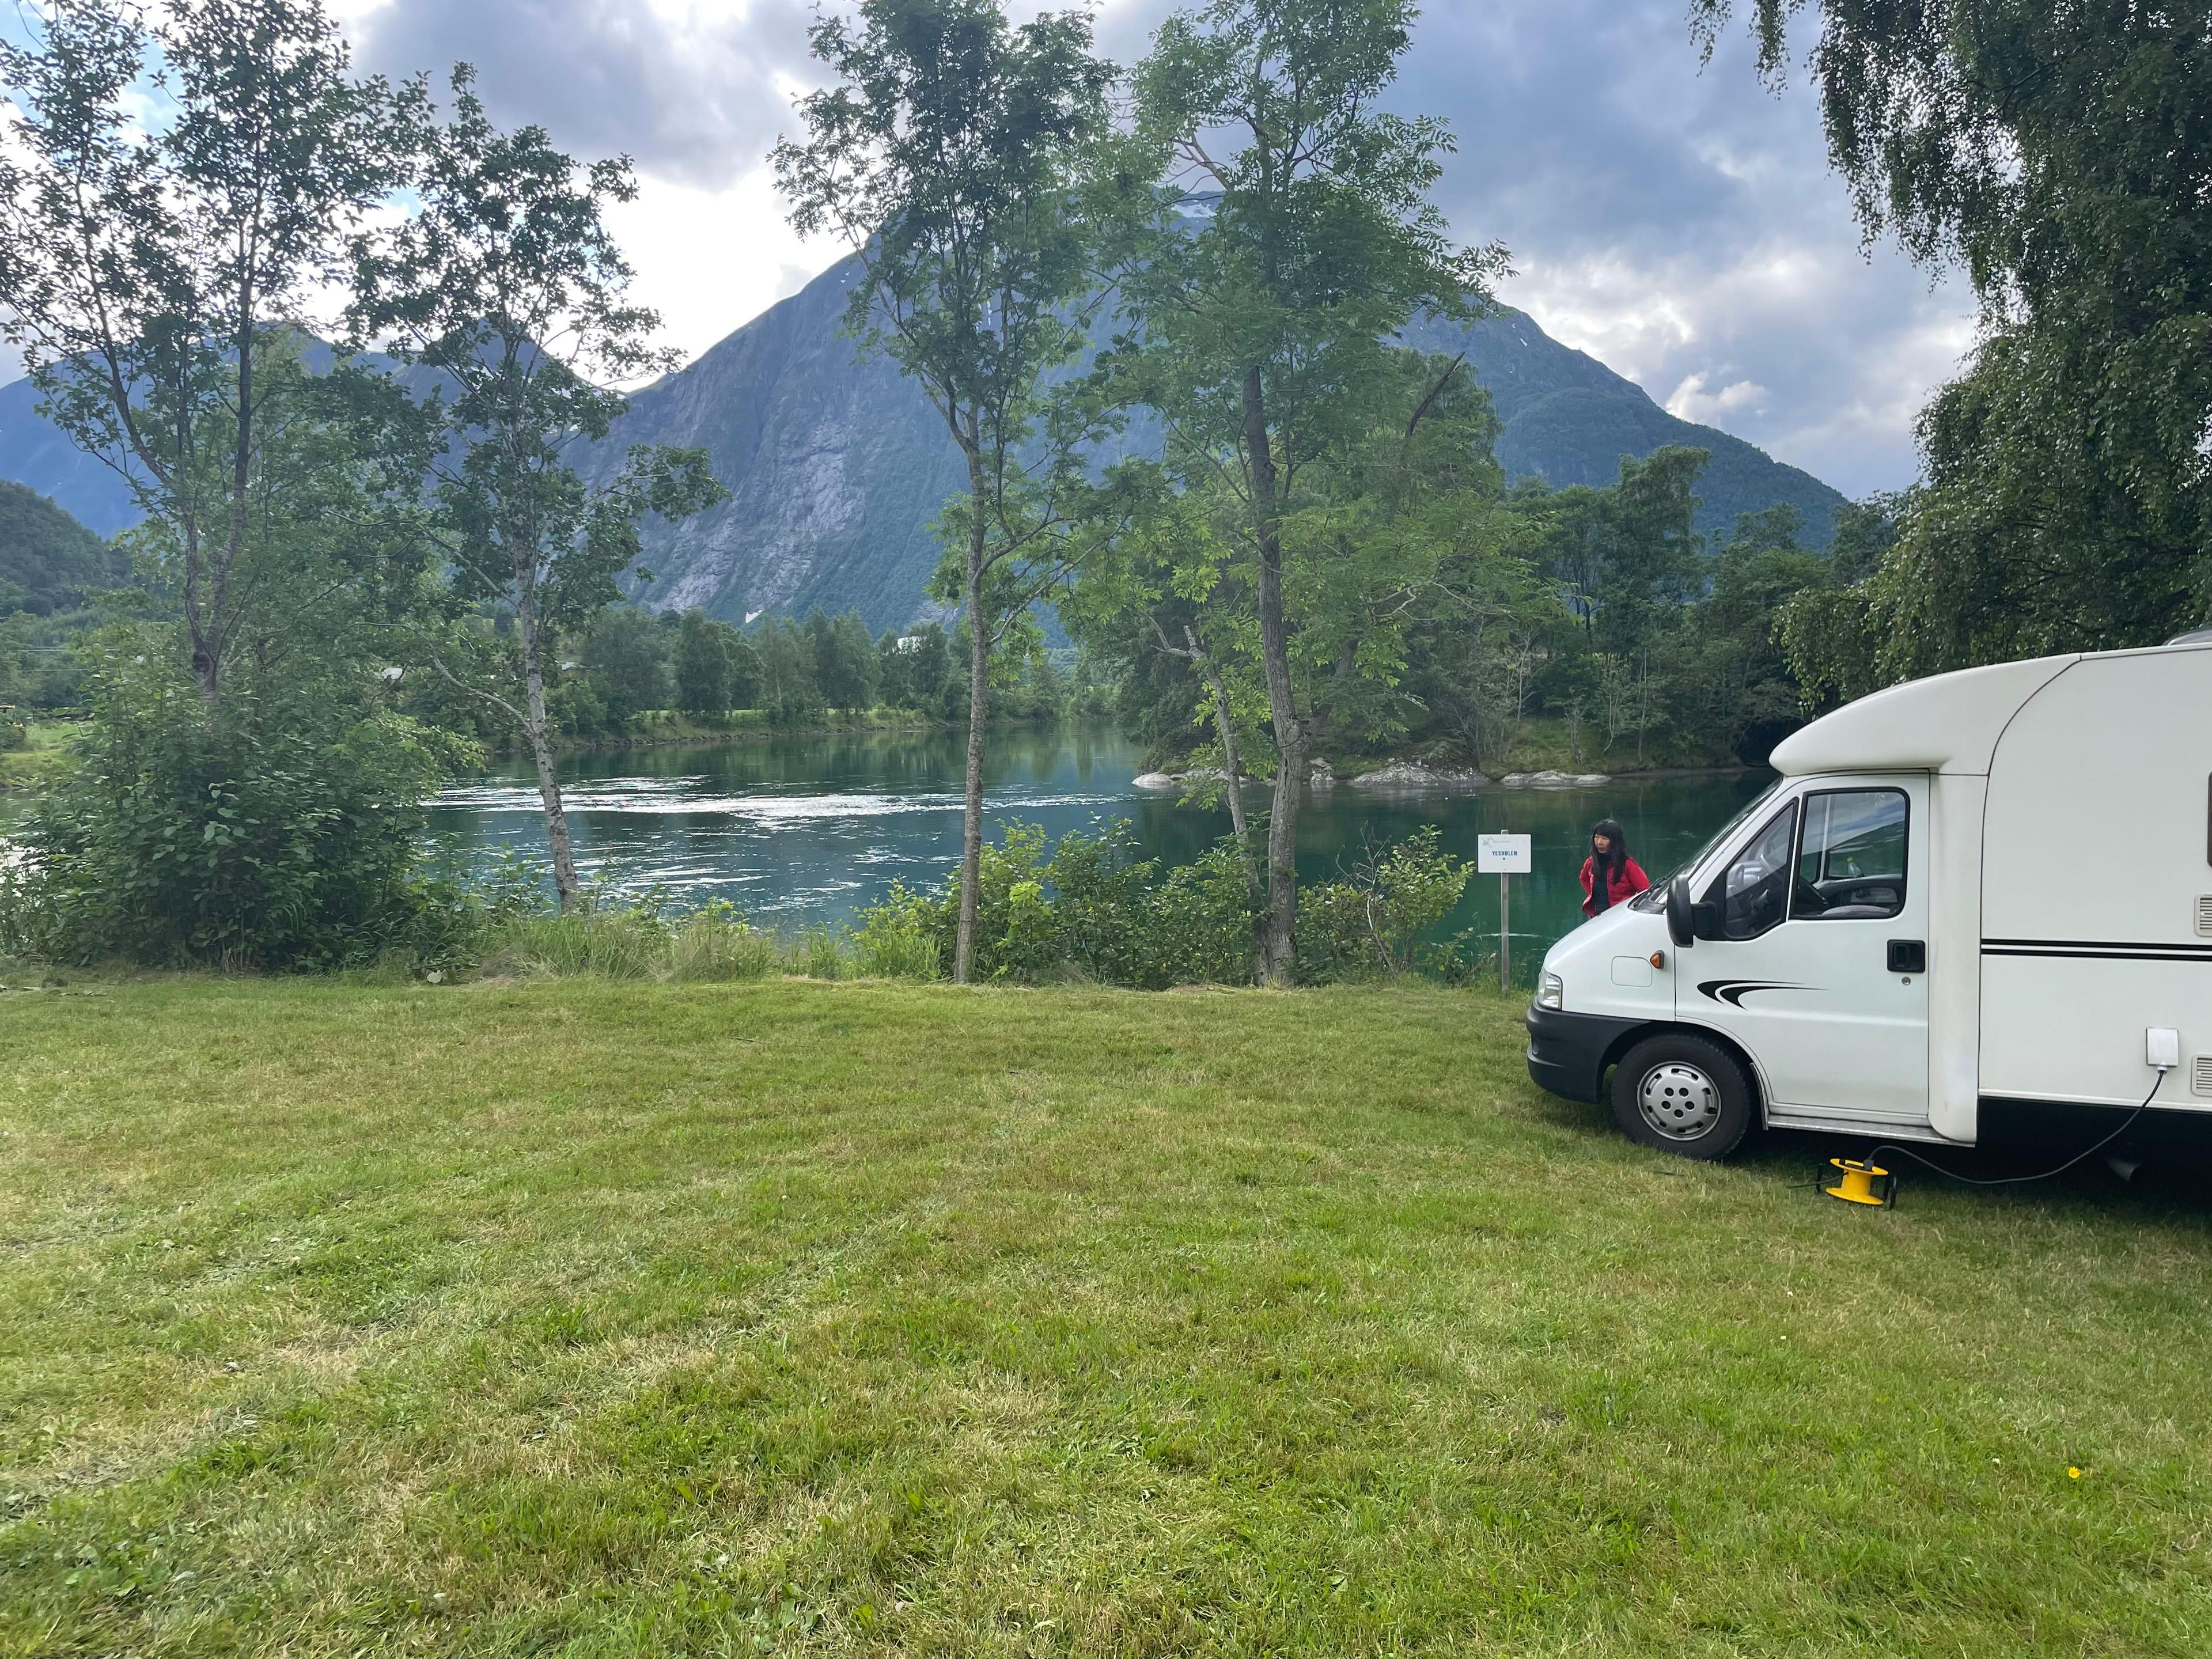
{"type": "Point", "coordinates": [1682, 1095]}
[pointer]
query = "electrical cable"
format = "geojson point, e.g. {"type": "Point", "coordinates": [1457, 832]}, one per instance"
{"type": "Point", "coordinates": [2128, 1123]}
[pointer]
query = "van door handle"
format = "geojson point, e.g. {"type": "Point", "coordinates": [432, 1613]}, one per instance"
{"type": "Point", "coordinates": [1908, 956]}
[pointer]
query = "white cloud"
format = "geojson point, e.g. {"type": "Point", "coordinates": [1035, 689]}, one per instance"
{"type": "Point", "coordinates": [1690, 401]}
{"type": "Point", "coordinates": [1681, 226]}
{"type": "Point", "coordinates": [709, 261]}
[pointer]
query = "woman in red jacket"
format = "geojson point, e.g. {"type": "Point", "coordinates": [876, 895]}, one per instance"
{"type": "Point", "coordinates": [1624, 878]}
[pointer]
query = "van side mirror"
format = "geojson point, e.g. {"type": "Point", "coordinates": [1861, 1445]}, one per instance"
{"type": "Point", "coordinates": [1706, 921]}
{"type": "Point", "coordinates": [1679, 908]}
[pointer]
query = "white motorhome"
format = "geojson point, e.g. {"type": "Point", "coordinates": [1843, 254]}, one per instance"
{"type": "Point", "coordinates": [1974, 909]}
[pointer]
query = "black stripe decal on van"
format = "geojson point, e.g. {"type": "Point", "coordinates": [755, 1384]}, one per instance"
{"type": "Point", "coordinates": [2097, 950]}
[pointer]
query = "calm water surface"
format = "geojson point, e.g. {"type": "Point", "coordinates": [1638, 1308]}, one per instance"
{"type": "Point", "coordinates": [814, 828]}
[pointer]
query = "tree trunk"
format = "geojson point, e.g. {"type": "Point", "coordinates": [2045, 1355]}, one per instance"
{"type": "Point", "coordinates": [979, 692]}
{"type": "Point", "coordinates": [1279, 955]}
{"type": "Point", "coordinates": [1228, 756]}
{"type": "Point", "coordinates": [537, 729]}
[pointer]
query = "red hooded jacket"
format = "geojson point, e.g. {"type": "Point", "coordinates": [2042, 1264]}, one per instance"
{"type": "Point", "coordinates": [1625, 883]}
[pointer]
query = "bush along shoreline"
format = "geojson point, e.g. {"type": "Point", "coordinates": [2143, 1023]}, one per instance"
{"type": "Point", "coordinates": [1085, 909]}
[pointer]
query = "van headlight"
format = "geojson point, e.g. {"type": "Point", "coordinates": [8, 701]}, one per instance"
{"type": "Point", "coordinates": [1551, 992]}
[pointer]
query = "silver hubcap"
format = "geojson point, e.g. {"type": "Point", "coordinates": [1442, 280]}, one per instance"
{"type": "Point", "coordinates": [1678, 1101]}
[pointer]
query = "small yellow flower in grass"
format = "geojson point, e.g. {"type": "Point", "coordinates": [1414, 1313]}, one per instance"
{"type": "Point", "coordinates": [2073, 1473]}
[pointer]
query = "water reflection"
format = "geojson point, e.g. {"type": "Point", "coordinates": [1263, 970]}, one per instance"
{"type": "Point", "coordinates": [795, 829]}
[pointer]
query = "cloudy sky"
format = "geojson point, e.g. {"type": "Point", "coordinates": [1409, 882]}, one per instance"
{"type": "Point", "coordinates": [1680, 226]}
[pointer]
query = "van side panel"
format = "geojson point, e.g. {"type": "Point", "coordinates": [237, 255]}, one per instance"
{"type": "Point", "coordinates": [1954, 861]}
{"type": "Point", "coordinates": [2095, 856]}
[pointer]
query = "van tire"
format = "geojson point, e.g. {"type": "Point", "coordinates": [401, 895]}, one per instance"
{"type": "Point", "coordinates": [1682, 1095]}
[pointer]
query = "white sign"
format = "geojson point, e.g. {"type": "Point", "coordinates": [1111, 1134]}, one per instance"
{"type": "Point", "coordinates": [1503, 855]}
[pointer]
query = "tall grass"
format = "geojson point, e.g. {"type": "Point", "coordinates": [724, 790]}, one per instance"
{"type": "Point", "coordinates": [715, 944]}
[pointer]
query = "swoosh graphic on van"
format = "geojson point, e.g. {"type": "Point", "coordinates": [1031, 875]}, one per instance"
{"type": "Point", "coordinates": [1734, 991]}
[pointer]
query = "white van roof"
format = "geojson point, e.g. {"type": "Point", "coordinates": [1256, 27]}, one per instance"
{"type": "Point", "coordinates": [1946, 723]}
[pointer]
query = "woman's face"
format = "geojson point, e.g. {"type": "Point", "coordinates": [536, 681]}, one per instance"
{"type": "Point", "coordinates": [1602, 843]}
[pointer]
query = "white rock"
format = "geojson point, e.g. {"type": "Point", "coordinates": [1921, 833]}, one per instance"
{"type": "Point", "coordinates": [1591, 780]}
{"type": "Point", "coordinates": [1158, 783]}
{"type": "Point", "coordinates": [1322, 777]}
{"type": "Point", "coordinates": [1407, 776]}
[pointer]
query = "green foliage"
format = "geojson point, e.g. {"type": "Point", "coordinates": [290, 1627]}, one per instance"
{"type": "Point", "coordinates": [2062, 156]}
{"type": "Point", "coordinates": [896, 941]}
{"type": "Point", "coordinates": [716, 667]}
{"type": "Point", "coordinates": [279, 831]}
{"type": "Point", "coordinates": [965, 161]}
{"type": "Point", "coordinates": [1444, 614]}
{"type": "Point", "coordinates": [48, 560]}
{"type": "Point", "coordinates": [1377, 922]}
{"type": "Point", "coordinates": [505, 282]}
{"type": "Point", "coordinates": [1261, 325]}
{"type": "Point", "coordinates": [844, 659]}
{"type": "Point", "coordinates": [154, 273]}
{"type": "Point", "coordinates": [790, 690]}
{"type": "Point", "coordinates": [1088, 908]}
{"type": "Point", "coordinates": [913, 676]}
{"type": "Point", "coordinates": [627, 655]}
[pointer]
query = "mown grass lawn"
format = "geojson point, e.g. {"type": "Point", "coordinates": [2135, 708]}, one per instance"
{"type": "Point", "coordinates": [587, 1318]}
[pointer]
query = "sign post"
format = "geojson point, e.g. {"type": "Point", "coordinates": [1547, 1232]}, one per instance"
{"type": "Point", "coordinates": [1508, 856]}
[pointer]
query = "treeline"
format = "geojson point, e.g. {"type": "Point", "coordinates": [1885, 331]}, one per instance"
{"type": "Point", "coordinates": [631, 666]}
{"type": "Point", "coordinates": [52, 568]}
{"type": "Point", "coordinates": [1584, 626]}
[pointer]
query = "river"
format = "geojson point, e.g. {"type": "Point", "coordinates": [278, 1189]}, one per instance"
{"type": "Point", "coordinates": [801, 830]}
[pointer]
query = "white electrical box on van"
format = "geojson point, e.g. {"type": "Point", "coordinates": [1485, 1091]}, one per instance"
{"type": "Point", "coordinates": [1956, 918]}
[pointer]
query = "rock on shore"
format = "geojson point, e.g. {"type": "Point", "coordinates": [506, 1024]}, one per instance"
{"type": "Point", "coordinates": [1409, 777]}
{"type": "Point", "coordinates": [1554, 779]}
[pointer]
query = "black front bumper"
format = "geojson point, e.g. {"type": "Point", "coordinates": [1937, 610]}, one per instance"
{"type": "Point", "coordinates": [1567, 1051]}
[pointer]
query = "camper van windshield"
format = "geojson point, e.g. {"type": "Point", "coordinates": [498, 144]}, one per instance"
{"type": "Point", "coordinates": [1657, 896]}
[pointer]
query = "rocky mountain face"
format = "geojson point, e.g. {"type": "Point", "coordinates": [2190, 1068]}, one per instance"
{"type": "Point", "coordinates": [837, 466]}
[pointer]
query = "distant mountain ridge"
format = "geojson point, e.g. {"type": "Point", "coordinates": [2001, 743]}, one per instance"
{"type": "Point", "coordinates": [837, 466]}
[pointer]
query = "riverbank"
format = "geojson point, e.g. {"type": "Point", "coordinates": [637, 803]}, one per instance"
{"type": "Point", "coordinates": [637, 1319]}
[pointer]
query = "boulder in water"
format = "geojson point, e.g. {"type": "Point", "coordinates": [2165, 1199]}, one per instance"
{"type": "Point", "coordinates": [1411, 777]}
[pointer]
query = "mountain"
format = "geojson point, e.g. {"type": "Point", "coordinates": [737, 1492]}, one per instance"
{"type": "Point", "coordinates": [837, 466]}
{"type": "Point", "coordinates": [48, 560]}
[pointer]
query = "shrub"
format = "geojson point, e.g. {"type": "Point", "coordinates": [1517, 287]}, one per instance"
{"type": "Point", "coordinates": [1089, 908]}
{"type": "Point", "coordinates": [279, 830]}
{"type": "Point", "coordinates": [897, 939]}
{"type": "Point", "coordinates": [1377, 923]}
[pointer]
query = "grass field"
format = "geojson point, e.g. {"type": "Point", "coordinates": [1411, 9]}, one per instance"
{"type": "Point", "coordinates": [590, 1319]}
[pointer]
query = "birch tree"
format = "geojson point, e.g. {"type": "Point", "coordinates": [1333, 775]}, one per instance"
{"type": "Point", "coordinates": [953, 155]}
{"type": "Point", "coordinates": [1310, 242]}
{"type": "Point", "coordinates": [158, 271]}
{"type": "Point", "coordinates": [507, 284]}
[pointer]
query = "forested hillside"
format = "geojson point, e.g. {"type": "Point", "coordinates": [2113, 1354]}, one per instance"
{"type": "Point", "coordinates": [48, 560]}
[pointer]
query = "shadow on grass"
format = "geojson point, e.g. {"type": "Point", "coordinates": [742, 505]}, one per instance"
{"type": "Point", "coordinates": [2172, 1187]}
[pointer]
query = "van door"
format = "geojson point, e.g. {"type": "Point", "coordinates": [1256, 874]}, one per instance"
{"type": "Point", "coordinates": [1821, 972]}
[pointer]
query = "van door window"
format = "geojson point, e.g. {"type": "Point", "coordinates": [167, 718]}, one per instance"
{"type": "Point", "coordinates": [1754, 890]}
{"type": "Point", "coordinates": [1851, 864]}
